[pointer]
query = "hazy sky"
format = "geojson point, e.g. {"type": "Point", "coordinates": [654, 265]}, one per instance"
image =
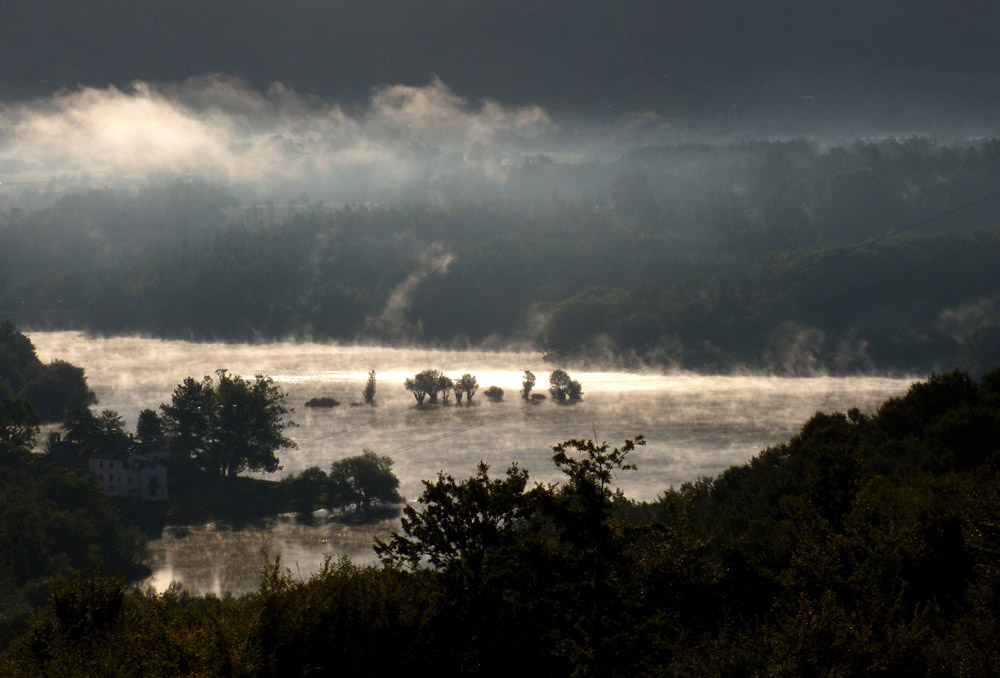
{"type": "Point", "coordinates": [260, 91]}
{"type": "Point", "coordinates": [593, 56]}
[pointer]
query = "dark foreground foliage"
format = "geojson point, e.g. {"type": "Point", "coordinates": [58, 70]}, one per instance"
{"type": "Point", "coordinates": [53, 524]}
{"type": "Point", "coordinates": [863, 546]}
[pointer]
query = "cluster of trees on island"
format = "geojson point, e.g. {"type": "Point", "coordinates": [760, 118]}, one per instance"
{"type": "Point", "coordinates": [864, 545]}
{"type": "Point", "coordinates": [430, 383]}
{"type": "Point", "coordinates": [365, 482]}
{"type": "Point", "coordinates": [435, 386]}
{"type": "Point", "coordinates": [427, 385]}
{"type": "Point", "coordinates": [706, 256]}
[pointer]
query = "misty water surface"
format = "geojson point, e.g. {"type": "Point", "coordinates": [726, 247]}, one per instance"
{"type": "Point", "coordinates": [695, 425]}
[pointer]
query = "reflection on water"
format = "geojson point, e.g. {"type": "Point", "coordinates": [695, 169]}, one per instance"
{"type": "Point", "coordinates": [213, 558]}
{"type": "Point", "coordinates": [695, 425]}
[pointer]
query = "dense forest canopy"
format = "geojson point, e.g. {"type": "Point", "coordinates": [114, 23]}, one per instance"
{"type": "Point", "coordinates": [777, 255]}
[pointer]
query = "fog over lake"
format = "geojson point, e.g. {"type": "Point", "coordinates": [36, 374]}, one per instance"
{"type": "Point", "coordinates": [694, 425]}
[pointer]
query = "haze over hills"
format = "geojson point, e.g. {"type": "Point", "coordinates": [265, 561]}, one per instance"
{"type": "Point", "coordinates": [350, 93]}
{"type": "Point", "coordinates": [628, 175]}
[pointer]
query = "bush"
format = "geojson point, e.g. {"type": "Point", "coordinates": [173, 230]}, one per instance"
{"type": "Point", "coordinates": [363, 480]}
{"type": "Point", "coordinates": [324, 401]}
{"type": "Point", "coordinates": [494, 394]}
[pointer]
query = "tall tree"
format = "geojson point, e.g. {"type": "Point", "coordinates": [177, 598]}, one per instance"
{"type": "Point", "coordinates": [469, 385]}
{"type": "Point", "coordinates": [249, 424]}
{"type": "Point", "coordinates": [527, 384]}
{"type": "Point", "coordinates": [368, 393]}
{"type": "Point", "coordinates": [188, 417]}
{"type": "Point", "coordinates": [149, 428]}
{"type": "Point", "coordinates": [235, 426]}
{"type": "Point", "coordinates": [102, 434]}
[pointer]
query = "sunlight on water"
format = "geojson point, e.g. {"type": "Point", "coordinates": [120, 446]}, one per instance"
{"type": "Point", "coordinates": [214, 558]}
{"type": "Point", "coordinates": [695, 425]}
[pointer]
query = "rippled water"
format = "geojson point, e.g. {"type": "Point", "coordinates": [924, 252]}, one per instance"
{"type": "Point", "coordinates": [695, 425]}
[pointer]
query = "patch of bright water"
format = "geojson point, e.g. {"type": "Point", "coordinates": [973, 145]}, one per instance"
{"type": "Point", "coordinates": [213, 558]}
{"type": "Point", "coordinates": [695, 425]}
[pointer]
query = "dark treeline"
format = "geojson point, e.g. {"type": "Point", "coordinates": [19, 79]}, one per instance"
{"type": "Point", "coordinates": [865, 545]}
{"type": "Point", "coordinates": [705, 256]}
{"type": "Point", "coordinates": [51, 390]}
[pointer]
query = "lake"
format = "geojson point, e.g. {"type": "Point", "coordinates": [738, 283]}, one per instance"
{"type": "Point", "coordinates": [695, 425]}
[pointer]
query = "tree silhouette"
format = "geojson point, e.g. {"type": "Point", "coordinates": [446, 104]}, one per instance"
{"type": "Point", "coordinates": [527, 384]}
{"type": "Point", "coordinates": [363, 480]}
{"type": "Point", "coordinates": [369, 391]}
{"type": "Point", "coordinates": [468, 384]}
{"type": "Point", "coordinates": [235, 426]}
{"type": "Point", "coordinates": [563, 388]}
{"type": "Point", "coordinates": [425, 384]}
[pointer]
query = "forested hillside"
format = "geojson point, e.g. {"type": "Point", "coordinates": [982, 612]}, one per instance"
{"type": "Point", "coordinates": [710, 257]}
{"type": "Point", "coordinates": [53, 523]}
{"type": "Point", "coordinates": [864, 545]}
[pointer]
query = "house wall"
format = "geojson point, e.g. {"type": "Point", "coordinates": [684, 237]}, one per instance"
{"type": "Point", "coordinates": [137, 477]}
{"type": "Point", "coordinates": [115, 476]}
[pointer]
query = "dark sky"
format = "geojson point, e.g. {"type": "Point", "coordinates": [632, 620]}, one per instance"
{"type": "Point", "coordinates": [584, 55]}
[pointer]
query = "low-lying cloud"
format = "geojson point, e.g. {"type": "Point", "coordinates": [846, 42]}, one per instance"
{"type": "Point", "coordinates": [965, 320]}
{"type": "Point", "coordinates": [391, 323]}
{"type": "Point", "coordinates": [218, 128]}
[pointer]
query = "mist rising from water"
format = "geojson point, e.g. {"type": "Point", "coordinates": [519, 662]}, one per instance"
{"type": "Point", "coordinates": [695, 426]}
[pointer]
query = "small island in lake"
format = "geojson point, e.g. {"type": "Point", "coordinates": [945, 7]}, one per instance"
{"type": "Point", "coordinates": [323, 401]}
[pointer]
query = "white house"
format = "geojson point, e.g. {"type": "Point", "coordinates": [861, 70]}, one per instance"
{"type": "Point", "coordinates": [139, 476]}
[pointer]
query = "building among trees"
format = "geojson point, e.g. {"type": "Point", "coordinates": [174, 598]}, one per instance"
{"type": "Point", "coordinates": [134, 475]}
